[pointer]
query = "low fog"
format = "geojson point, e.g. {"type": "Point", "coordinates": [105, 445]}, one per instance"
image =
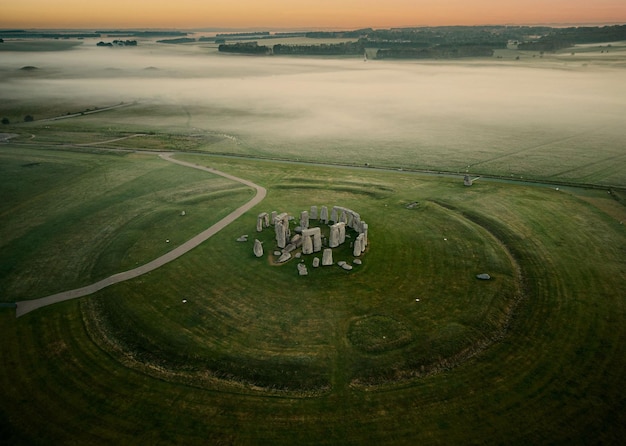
{"type": "Point", "coordinates": [471, 110]}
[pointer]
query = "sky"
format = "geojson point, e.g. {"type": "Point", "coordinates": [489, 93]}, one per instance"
{"type": "Point", "coordinates": [297, 14]}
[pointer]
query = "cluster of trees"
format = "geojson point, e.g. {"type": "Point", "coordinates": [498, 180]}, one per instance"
{"type": "Point", "coordinates": [22, 34]}
{"type": "Point", "coordinates": [557, 39]}
{"type": "Point", "coordinates": [245, 48]}
{"type": "Point", "coordinates": [336, 49]}
{"type": "Point", "coordinates": [178, 40]}
{"type": "Point", "coordinates": [118, 43]}
{"type": "Point", "coordinates": [27, 118]}
{"type": "Point", "coordinates": [434, 43]}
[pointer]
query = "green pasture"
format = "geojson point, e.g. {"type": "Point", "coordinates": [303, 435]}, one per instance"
{"type": "Point", "coordinates": [590, 156]}
{"type": "Point", "coordinates": [71, 219]}
{"type": "Point", "coordinates": [259, 355]}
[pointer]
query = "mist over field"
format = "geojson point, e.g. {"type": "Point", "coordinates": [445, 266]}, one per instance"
{"type": "Point", "coordinates": [500, 115]}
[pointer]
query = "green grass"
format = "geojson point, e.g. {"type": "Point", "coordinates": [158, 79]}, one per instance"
{"type": "Point", "coordinates": [260, 355]}
{"type": "Point", "coordinates": [79, 218]}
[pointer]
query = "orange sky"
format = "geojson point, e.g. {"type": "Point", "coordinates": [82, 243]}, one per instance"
{"type": "Point", "coordinates": [345, 14]}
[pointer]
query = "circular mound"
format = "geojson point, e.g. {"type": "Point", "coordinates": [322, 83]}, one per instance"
{"type": "Point", "coordinates": [414, 308]}
{"type": "Point", "coordinates": [377, 334]}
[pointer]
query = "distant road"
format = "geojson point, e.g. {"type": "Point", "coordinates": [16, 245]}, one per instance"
{"type": "Point", "coordinates": [26, 306]}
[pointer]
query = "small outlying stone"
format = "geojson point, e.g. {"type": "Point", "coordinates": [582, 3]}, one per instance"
{"type": "Point", "coordinates": [258, 248]}
{"type": "Point", "coordinates": [243, 238]}
{"type": "Point", "coordinates": [357, 261]}
{"type": "Point", "coordinates": [302, 269]}
{"type": "Point", "coordinates": [483, 276]}
{"type": "Point", "coordinates": [347, 266]}
{"type": "Point", "coordinates": [277, 253]}
{"type": "Point", "coordinates": [341, 262]}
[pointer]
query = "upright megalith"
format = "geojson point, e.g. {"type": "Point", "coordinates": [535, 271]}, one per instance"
{"type": "Point", "coordinates": [307, 245]}
{"type": "Point", "coordinates": [281, 228]}
{"type": "Point", "coordinates": [343, 217]}
{"type": "Point", "coordinates": [273, 217]}
{"type": "Point", "coordinates": [258, 248]}
{"type": "Point", "coordinates": [304, 220]}
{"type": "Point", "coordinates": [333, 215]}
{"type": "Point", "coordinates": [337, 235]}
{"type": "Point", "coordinates": [342, 232]}
{"type": "Point", "coordinates": [313, 213]}
{"type": "Point", "coordinates": [358, 247]}
{"type": "Point", "coordinates": [333, 238]}
{"type": "Point", "coordinates": [316, 235]}
{"type": "Point", "coordinates": [280, 234]}
{"type": "Point", "coordinates": [327, 257]}
{"type": "Point", "coordinates": [262, 220]}
{"type": "Point", "coordinates": [324, 215]}
{"type": "Point", "coordinates": [467, 180]}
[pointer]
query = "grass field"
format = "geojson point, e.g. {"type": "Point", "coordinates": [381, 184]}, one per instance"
{"type": "Point", "coordinates": [221, 347]}
{"type": "Point", "coordinates": [258, 354]}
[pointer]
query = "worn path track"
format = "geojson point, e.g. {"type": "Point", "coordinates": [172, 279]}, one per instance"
{"type": "Point", "coordinates": [27, 306]}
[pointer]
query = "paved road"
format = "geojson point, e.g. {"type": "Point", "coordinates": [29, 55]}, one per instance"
{"type": "Point", "coordinates": [27, 306]}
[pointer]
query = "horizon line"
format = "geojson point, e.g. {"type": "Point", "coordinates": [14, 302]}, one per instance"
{"type": "Point", "coordinates": [313, 28]}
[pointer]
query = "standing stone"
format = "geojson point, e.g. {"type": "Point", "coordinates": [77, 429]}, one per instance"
{"type": "Point", "coordinates": [316, 262]}
{"type": "Point", "coordinates": [258, 248]}
{"type": "Point", "coordinates": [316, 233]}
{"type": "Point", "coordinates": [260, 220]}
{"type": "Point", "coordinates": [304, 220]}
{"type": "Point", "coordinates": [356, 223]}
{"type": "Point", "coordinates": [356, 251]}
{"type": "Point", "coordinates": [281, 226]}
{"type": "Point", "coordinates": [333, 215]}
{"type": "Point", "coordinates": [364, 228]}
{"type": "Point", "coordinates": [324, 215]}
{"type": "Point", "coordinates": [317, 240]}
{"type": "Point", "coordinates": [358, 246]}
{"type": "Point", "coordinates": [327, 258]}
{"type": "Point", "coordinates": [467, 180]}
{"type": "Point", "coordinates": [313, 213]}
{"type": "Point", "coordinates": [343, 216]}
{"type": "Point", "coordinates": [307, 245]}
{"type": "Point", "coordinates": [280, 233]}
{"type": "Point", "coordinates": [273, 217]}
{"type": "Point", "coordinates": [342, 232]}
{"type": "Point", "coordinates": [333, 240]}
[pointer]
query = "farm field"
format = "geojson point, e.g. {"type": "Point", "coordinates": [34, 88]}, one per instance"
{"type": "Point", "coordinates": [221, 347]}
{"type": "Point", "coordinates": [556, 118]}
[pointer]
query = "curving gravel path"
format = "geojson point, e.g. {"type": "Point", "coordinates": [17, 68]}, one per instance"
{"type": "Point", "coordinates": [27, 306]}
